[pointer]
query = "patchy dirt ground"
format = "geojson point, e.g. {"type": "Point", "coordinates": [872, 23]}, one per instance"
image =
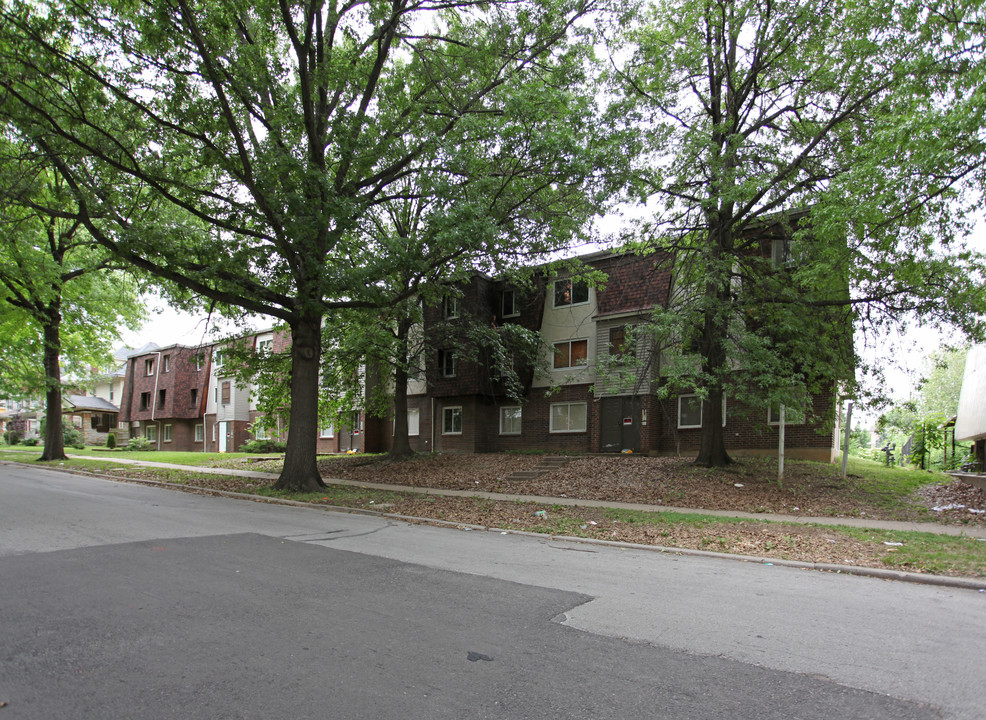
{"type": "Point", "coordinates": [750, 485]}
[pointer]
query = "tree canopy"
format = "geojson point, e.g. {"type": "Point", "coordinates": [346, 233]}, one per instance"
{"type": "Point", "coordinates": [61, 297]}
{"type": "Point", "coordinates": [264, 139]}
{"type": "Point", "coordinates": [810, 165]}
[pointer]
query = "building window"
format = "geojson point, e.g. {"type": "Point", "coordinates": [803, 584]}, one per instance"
{"type": "Point", "coordinates": [193, 396]}
{"type": "Point", "coordinates": [218, 359]}
{"type": "Point", "coordinates": [447, 364]}
{"type": "Point", "coordinates": [259, 432]}
{"type": "Point", "coordinates": [510, 420]}
{"type": "Point", "coordinates": [226, 391]}
{"type": "Point", "coordinates": [618, 348]}
{"type": "Point", "coordinates": [199, 362]}
{"type": "Point", "coordinates": [690, 412]}
{"type": "Point", "coordinates": [215, 432]}
{"type": "Point", "coordinates": [145, 401]}
{"type": "Point", "coordinates": [793, 415]}
{"type": "Point", "coordinates": [111, 393]}
{"type": "Point", "coordinates": [150, 432]}
{"type": "Point", "coordinates": [413, 421]}
{"type": "Point", "coordinates": [149, 366]}
{"type": "Point", "coordinates": [452, 421]}
{"type": "Point", "coordinates": [167, 433]}
{"type": "Point", "coordinates": [568, 417]}
{"type": "Point", "coordinates": [450, 308]}
{"type": "Point", "coordinates": [508, 304]}
{"type": "Point", "coordinates": [568, 293]}
{"type": "Point", "coordinates": [166, 363]}
{"type": "Point", "coordinates": [199, 433]}
{"type": "Point", "coordinates": [265, 346]}
{"type": "Point", "coordinates": [161, 396]}
{"type": "Point", "coordinates": [571, 353]}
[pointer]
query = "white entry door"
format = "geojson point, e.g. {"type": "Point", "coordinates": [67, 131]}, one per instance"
{"type": "Point", "coordinates": [222, 436]}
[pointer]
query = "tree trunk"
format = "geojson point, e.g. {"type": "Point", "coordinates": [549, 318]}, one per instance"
{"type": "Point", "coordinates": [712, 448]}
{"type": "Point", "coordinates": [402, 443]}
{"type": "Point", "coordinates": [300, 472]}
{"type": "Point", "coordinates": [54, 448]}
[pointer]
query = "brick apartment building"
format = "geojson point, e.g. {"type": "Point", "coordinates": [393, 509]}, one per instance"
{"type": "Point", "coordinates": [458, 406]}
{"type": "Point", "coordinates": [163, 397]}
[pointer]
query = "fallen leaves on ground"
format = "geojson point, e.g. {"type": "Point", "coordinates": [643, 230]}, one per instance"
{"type": "Point", "coordinates": [809, 489]}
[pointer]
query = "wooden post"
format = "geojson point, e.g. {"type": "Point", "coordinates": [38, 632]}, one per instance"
{"type": "Point", "coordinates": [845, 444]}
{"type": "Point", "coordinates": [780, 449]}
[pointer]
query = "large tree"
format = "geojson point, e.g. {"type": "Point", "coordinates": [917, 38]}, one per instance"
{"type": "Point", "coordinates": [265, 132]}
{"type": "Point", "coordinates": [809, 166]}
{"type": "Point", "coordinates": [57, 285]}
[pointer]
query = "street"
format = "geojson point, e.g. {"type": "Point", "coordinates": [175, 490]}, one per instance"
{"type": "Point", "coordinates": [123, 601]}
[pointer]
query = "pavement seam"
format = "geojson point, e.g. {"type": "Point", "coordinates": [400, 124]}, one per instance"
{"type": "Point", "coordinates": [878, 573]}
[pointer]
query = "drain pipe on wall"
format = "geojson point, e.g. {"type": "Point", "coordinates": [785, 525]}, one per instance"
{"type": "Point", "coordinates": [157, 376]}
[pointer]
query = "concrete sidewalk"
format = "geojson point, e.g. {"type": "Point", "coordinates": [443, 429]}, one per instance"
{"type": "Point", "coordinates": [977, 531]}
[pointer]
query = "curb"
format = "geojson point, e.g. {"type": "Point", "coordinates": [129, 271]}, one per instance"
{"type": "Point", "coordinates": [878, 573]}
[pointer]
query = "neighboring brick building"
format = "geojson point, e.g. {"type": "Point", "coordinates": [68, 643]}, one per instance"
{"type": "Point", "coordinates": [164, 396]}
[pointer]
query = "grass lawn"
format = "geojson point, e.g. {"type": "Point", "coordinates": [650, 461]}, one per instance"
{"type": "Point", "coordinates": [178, 458]}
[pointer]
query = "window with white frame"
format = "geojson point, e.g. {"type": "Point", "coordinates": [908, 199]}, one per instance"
{"type": "Point", "coordinates": [259, 432]}
{"type": "Point", "coordinates": [150, 432]}
{"type": "Point", "coordinates": [452, 421]}
{"type": "Point", "coordinates": [166, 363]}
{"type": "Point", "coordinates": [199, 433]}
{"type": "Point", "coordinates": [328, 431]}
{"type": "Point", "coordinates": [447, 363]}
{"type": "Point", "coordinates": [450, 308]}
{"type": "Point", "coordinates": [571, 353]}
{"type": "Point", "coordinates": [167, 433]}
{"type": "Point", "coordinates": [149, 366]}
{"type": "Point", "coordinates": [567, 417]}
{"type": "Point", "coordinates": [218, 359]}
{"type": "Point", "coordinates": [413, 421]}
{"type": "Point", "coordinates": [508, 304]}
{"type": "Point", "coordinates": [569, 292]}
{"type": "Point", "coordinates": [510, 420]}
{"type": "Point", "coordinates": [265, 345]}
{"type": "Point", "coordinates": [690, 412]}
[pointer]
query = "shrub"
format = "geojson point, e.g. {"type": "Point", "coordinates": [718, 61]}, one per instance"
{"type": "Point", "coordinates": [30, 442]}
{"type": "Point", "coordinates": [11, 437]}
{"type": "Point", "coordinates": [111, 441]}
{"type": "Point", "coordinates": [72, 436]}
{"type": "Point", "coordinates": [263, 446]}
{"type": "Point", "coordinates": [139, 443]}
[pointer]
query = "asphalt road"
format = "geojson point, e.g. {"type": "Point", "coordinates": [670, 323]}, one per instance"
{"type": "Point", "coordinates": [121, 601]}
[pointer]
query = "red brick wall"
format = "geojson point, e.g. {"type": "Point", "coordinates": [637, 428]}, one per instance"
{"type": "Point", "coordinates": [177, 384]}
{"type": "Point", "coordinates": [748, 431]}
